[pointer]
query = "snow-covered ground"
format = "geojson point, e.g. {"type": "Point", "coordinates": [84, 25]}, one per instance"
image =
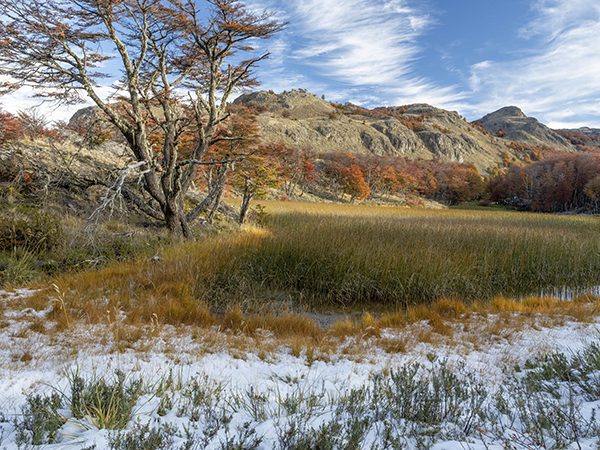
{"type": "Point", "coordinates": [213, 397]}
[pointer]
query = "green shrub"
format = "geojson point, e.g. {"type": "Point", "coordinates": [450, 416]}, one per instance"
{"type": "Point", "coordinates": [35, 231]}
{"type": "Point", "coordinates": [17, 267]}
{"type": "Point", "coordinates": [108, 403]}
{"type": "Point", "coordinates": [40, 420]}
{"type": "Point", "coordinates": [142, 437]}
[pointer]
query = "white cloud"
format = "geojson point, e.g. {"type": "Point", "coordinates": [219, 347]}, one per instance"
{"type": "Point", "coordinates": [25, 98]}
{"type": "Point", "coordinates": [559, 80]}
{"type": "Point", "coordinates": [344, 46]}
{"type": "Point", "coordinates": [365, 51]}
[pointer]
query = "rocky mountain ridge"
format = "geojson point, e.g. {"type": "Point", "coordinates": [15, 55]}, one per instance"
{"type": "Point", "coordinates": [582, 137]}
{"type": "Point", "coordinates": [300, 118]}
{"type": "Point", "coordinates": [512, 124]}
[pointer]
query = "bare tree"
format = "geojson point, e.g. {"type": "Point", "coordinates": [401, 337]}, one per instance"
{"type": "Point", "coordinates": [180, 62]}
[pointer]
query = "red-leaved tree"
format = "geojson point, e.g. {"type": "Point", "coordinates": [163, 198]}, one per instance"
{"type": "Point", "coordinates": [179, 60]}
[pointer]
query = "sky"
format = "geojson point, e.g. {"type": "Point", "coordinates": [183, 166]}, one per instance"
{"type": "Point", "coordinates": [472, 56]}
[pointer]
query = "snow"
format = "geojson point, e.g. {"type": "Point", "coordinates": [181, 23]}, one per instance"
{"type": "Point", "coordinates": [279, 375]}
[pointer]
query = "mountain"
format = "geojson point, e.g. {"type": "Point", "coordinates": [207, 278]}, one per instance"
{"type": "Point", "coordinates": [299, 118]}
{"type": "Point", "coordinates": [512, 124]}
{"type": "Point", "coordinates": [419, 131]}
{"type": "Point", "coordinates": [582, 137]}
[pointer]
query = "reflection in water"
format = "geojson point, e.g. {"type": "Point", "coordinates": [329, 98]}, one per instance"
{"type": "Point", "coordinates": [568, 294]}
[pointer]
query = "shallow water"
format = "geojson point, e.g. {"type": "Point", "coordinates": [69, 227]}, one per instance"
{"type": "Point", "coordinates": [568, 294]}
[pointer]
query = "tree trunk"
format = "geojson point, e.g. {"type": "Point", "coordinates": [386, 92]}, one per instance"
{"type": "Point", "coordinates": [246, 198]}
{"type": "Point", "coordinates": [215, 206]}
{"type": "Point", "coordinates": [177, 223]}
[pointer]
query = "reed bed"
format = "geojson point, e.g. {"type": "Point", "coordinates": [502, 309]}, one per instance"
{"type": "Point", "coordinates": [326, 258]}
{"type": "Point", "coordinates": [361, 255]}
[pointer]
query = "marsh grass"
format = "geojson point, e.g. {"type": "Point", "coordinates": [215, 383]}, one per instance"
{"type": "Point", "coordinates": [404, 265]}
{"type": "Point", "coordinates": [343, 255]}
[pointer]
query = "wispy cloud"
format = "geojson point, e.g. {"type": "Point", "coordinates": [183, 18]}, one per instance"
{"type": "Point", "coordinates": [558, 81]}
{"type": "Point", "coordinates": [368, 51]}
{"type": "Point", "coordinates": [358, 49]}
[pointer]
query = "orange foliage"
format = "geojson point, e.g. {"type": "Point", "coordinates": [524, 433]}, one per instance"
{"type": "Point", "coordinates": [559, 183]}
{"type": "Point", "coordinates": [11, 128]}
{"type": "Point", "coordinates": [389, 175]}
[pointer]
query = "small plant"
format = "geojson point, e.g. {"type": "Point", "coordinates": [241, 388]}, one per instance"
{"type": "Point", "coordinates": [107, 403]}
{"type": "Point", "coordinates": [17, 267]}
{"type": "Point", "coordinates": [542, 408]}
{"type": "Point", "coordinates": [40, 420]}
{"type": "Point", "coordinates": [245, 438]}
{"type": "Point", "coordinates": [254, 402]}
{"type": "Point", "coordinates": [542, 405]}
{"type": "Point", "coordinates": [200, 399]}
{"type": "Point", "coordinates": [142, 437]}
{"type": "Point", "coordinates": [165, 405]}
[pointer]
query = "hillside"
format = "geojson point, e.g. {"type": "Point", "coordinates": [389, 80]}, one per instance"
{"type": "Point", "coordinates": [302, 119]}
{"type": "Point", "coordinates": [582, 137]}
{"type": "Point", "coordinates": [512, 124]}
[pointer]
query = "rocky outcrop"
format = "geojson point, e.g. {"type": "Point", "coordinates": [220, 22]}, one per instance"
{"type": "Point", "coordinates": [512, 124]}
{"type": "Point", "coordinates": [582, 137]}
{"type": "Point", "coordinates": [299, 118]}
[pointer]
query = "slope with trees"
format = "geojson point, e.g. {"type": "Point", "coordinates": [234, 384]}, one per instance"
{"type": "Point", "coordinates": [178, 66]}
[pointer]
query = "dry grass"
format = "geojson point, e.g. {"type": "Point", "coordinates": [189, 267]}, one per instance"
{"type": "Point", "coordinates": [465, 327]}
{"type": "Point", "coordinates": [365, 256]}
{"type": "Point", "coordinates": [443, 319]}
{"type": "Point", "coordinates": [409, 266]}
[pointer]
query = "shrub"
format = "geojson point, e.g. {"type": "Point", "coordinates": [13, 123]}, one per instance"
{"type": "Point", "coordinates": [40, 420]}
{"type": "Point", "coordinates": [17, 267]}
{"type": "Point", "coordinates": [11, 128]}
{"type": "Point", "coordinates": [142, 437]}
{"type": "Point", "coordinates": [108, 403]}
{"type": "Point", "coordinates": [32, 230]}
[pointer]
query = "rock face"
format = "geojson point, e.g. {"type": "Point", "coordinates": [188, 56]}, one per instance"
{"type": "Point", "coordinates": [299, 118]}
{"type": "Point", "coordinates": [511, 123]}
{"type": "Point", "coordinates": [591, 132]}
{"type": "Point", "coordinates": [420, 131]}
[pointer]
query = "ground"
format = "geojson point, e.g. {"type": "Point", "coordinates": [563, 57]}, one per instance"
{"type": "Point", "coordinates": [256, 393]}
{"type": "Point", "coordinates": [322, 327]}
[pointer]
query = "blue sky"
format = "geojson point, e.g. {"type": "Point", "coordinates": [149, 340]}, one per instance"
{"type": "Point", "coordinates": [472, 56]}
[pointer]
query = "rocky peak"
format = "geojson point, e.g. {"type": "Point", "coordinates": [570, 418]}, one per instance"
{"type": "Point", "coordinates": [512, 124]}
{"type": "Point", "coordinates": [506, 112]}
{"type": "Point", "coordinates": [297, 103]}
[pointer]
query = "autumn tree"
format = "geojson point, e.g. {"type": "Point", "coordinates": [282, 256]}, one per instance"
{"type": "Point", "coordinates": [299, 167]}
{"type": "Point", "coordinates": [11, 127]}
{"type": "Point", "coordinates": [180, 61]}
{"type": "Point", "coordinates": [560, 182]}
{"type": "Point", "coordinates": [239, 140]}
{"type": "Point", "coordinates": [342, 174]}
{"type": "Point", "coordinates": [592, 191]}
{"type": "Point", "coordinates": [354, 183]}
{"type": "Point", "coordinates": [457, 183]}
{"type": "Point", "coordinates": [256, 174]}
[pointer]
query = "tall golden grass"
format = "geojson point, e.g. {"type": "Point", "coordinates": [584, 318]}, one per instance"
{"type": "Point", "coordinates": [406, 265]}
{"type": "Point", "coordinates": [357, 255]}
